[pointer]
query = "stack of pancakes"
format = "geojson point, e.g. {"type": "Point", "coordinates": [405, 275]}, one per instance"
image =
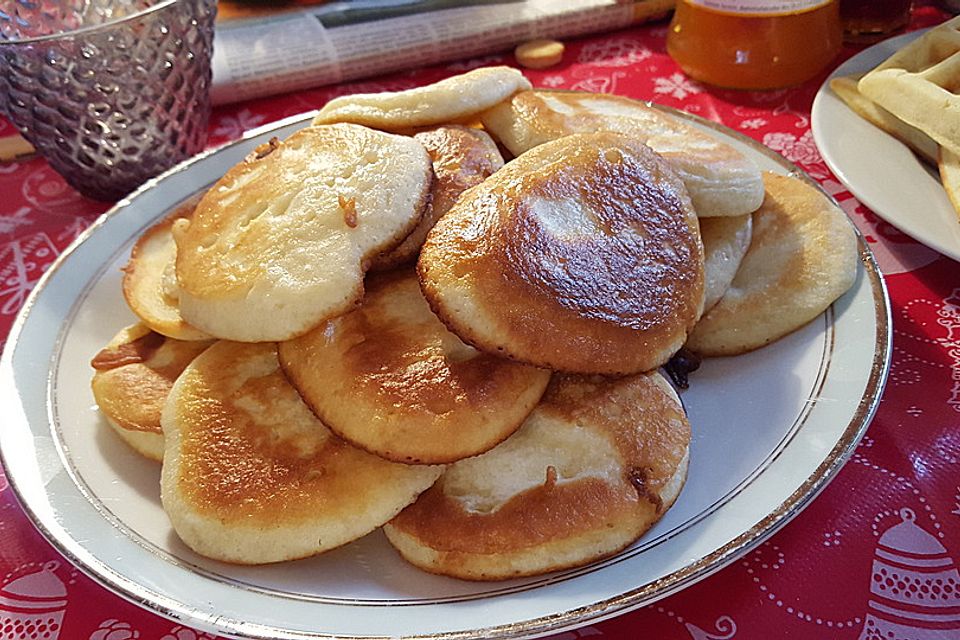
{"type": "Point", "coordinates": [379, 322]}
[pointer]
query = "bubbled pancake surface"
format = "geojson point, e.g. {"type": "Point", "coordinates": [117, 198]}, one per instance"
{"type": "Point", "coordinates": [133, 375]}
{"type": "Point", "coordinates": [725, 242]}
{"type": "Point", "coordinates": [281, 242]}
{"type": "Point", "coordinates": [391, 379]}
{"type": "Point", "coordinates": [251, 476]}
{"type": "Point", "coordinates": [462, 157]}
{"type": "Point", "coordinates": [582, 255]}
{"type": "Point", "coordinates": [720, 179]}
{"type": "Point", "coordinates": [802, 257]}
{"type": "Point", "coordinates": [150, 282]}
{"type": "Point", "coordinates": [593, 467]}
{"type": "Point", "coordinates": [454, 99]}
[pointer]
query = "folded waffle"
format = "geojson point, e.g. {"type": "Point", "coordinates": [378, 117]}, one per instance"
{"type": "Point", "coordinates": [132, 378]}
{"type": "Point", "coordinates": [949, 165]}
{"type": "Point", "coordinates": [918, 141]}
{"type": "Point", "coordinates": [282, 241]}
{"type": "Point", "coordinates": [462, 157]}
{"type": "Point", "coordinates": [802, 257]}
{"type": "Point", "coordinates": [596, 464]}
{"type": "Point", "coordinates": [582, 255]}
{"type": "Point", "coordinates": [389, 378]}
{"type": "Point", "coordinates": [456, 99]}
{"type": "Point", "coordinates": [720, 179]}
{"type": "Point", "coordinates": [251, 476]}
{"type": "Point", "coordinates": [919, 84]}
{"type": "Point", "coordinates": [150, 282]}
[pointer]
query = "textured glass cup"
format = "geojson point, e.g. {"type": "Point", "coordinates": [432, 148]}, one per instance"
{"type": "Point", "coordinates": [111, 93]}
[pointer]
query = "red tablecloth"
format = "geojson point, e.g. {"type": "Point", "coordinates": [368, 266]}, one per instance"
{"type": "Point", "coordinates": [811, 580]}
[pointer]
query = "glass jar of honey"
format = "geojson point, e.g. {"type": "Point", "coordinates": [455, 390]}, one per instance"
{"type": "Point", "coordinates": [754, 44]}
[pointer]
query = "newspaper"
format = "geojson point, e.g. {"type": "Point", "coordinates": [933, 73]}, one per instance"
{"type": "Point", "coordinates": [328, 44]}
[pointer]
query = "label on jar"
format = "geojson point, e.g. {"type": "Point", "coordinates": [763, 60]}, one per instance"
{"type": "Point", "coordinates": [768, 7]}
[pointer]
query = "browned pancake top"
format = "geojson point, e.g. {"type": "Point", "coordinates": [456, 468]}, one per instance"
{"type": "Point", "coordinates": [650, 434]}
{"type": "Point", "coordinates": [251, 450]}
{"type": "Point", "coordinates": [134, 375]}
{"type": "Point", "coordinates": [391, 379]}
{"type": "Point", "coordinates": [584, 247]}
{"type": "Point", "coordinates": [410, 373]}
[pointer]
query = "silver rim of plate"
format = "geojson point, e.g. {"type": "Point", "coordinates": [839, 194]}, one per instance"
{"type": "Point", "coordinates": [74, 519]}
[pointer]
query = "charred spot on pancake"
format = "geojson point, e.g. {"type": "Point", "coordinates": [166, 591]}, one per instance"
{"type": "Point", "coordinates": [638, 477]}
{"type": "Point", "coordinates": [263, 150]}
{"type": "Point", "coordinates": [349, 207]}
{"type": "Point", "coordinates": [134, 352]}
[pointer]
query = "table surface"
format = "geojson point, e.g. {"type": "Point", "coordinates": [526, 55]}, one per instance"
{"type": "Point", "coordinates": [812, 579]}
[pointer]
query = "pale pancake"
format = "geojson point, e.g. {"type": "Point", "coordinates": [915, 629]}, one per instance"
{"type": "Point", "coordinates": [251, 476]}
{"type": "Point", "coordinates": [150, 282]}
{"type": "Point", "coordinates": [582, 255]}
{"type": "Point", "coordinates": [721, 180]}
{"type": "Point", "coordinates": [391, 379]}
{"type": "Point", "coordinates": [594, 466]}
{"type": "Point", "coordinates": [802, 257]}
{"type": "Point", "coordinates": [132, 378]}
{"type": "Point", "coordinates": [462, 157]}
{"type": "Point", "coordinates": [725, 242]}
{"type": "Point", "coordinates": [282, 241]}
{"type": "Point", "coordinates": [455, 99]}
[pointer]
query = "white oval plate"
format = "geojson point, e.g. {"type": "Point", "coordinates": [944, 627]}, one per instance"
{"type": "Point", "coordinates": [879, 169]}
{"type": "Point", "coordinates": [770, 429]}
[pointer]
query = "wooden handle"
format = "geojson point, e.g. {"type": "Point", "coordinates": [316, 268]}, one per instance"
{"type": "Point", "coordinates": [12, 147]}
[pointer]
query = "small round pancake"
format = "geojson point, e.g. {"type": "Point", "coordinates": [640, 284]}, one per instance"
{"type": "Point", "coordinates": [582, 255]}
{"type": "Point", "coordinates": [132, 378]}
{"type": "Point", "coordinates": [462, 157]}
{"type": "Point", "coordinates": [282, 241]}
{"type": "Point", "coordinates": [802, 257]}
{"type": "Point", "coordinates": [389, 378]}
{"type": "Point", "coordinates": [455, 99]}
{"type": "Point", "coordinates": [595, 465]}
{"type": "Point", "coordinates": [720, 179]}
{"type": "Point", "coordinates": [251, 476]}
{"type": "Point", "coordinates": [725, 242]}
{"type": "Point", "coordinates": [150, 282]}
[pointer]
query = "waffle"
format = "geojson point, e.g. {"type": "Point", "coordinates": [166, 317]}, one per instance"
{"type": "Point", "coordinates": [918, 84]}
{"type": "Point", "coordinates": [922, 144]}
{"type": "Point", "coordinates": [949, 165]}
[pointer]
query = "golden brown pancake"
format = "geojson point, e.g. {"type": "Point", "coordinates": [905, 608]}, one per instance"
{"type": "Point", "coordinates": [391, 379]}
{"type": "Point", "coordinates": [720, 179]}
{"type": "Point", "coordinates": [582, 255]}
{"type": "Point", "coordinates": [802, 257]}
{"type": "Point", "coordinates": [281, 242]}
{"type": "Point", "coordinates": [150, 282]}
{"type": "Point", "coordinates": [132, 378]}
{"type": "Point", "coordinates": [462, 157]}
{"type": "Point", "coordinates": [725, 242]}
{"type": "Point", "coordinates": [593, 467]}
{"type": "Point", "coordinates": [456, 99]}
{"type": "Point", "coordinates": [251, 476]}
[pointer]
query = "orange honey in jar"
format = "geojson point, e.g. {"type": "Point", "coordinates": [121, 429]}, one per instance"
{"type": "Point", "coordinates": [754, 44]}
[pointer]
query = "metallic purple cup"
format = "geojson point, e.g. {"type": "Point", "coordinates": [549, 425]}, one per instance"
{"type": "Point", "coordinates": [111, 93]}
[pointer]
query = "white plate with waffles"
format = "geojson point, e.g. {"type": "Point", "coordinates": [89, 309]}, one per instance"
{"type": "Point", "coordinates": [879, 169]}
{"type": "Point", "coordinates": [764, 445]}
